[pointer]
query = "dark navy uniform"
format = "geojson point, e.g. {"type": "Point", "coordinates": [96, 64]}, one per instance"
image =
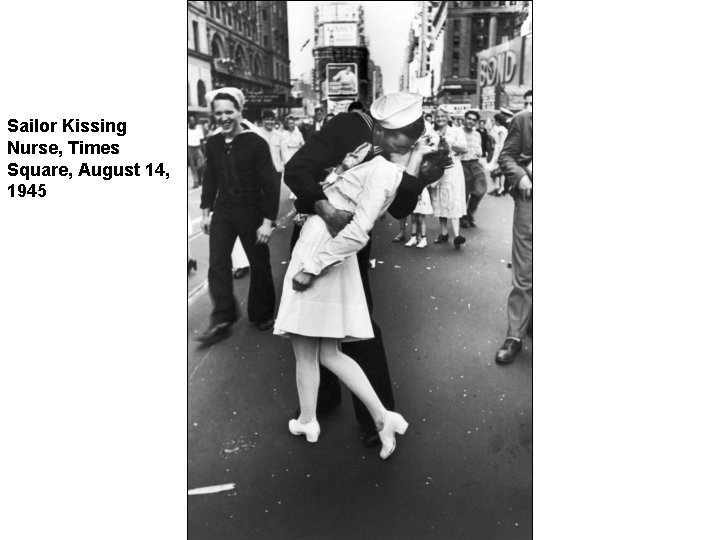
{"type": "Point", "coordinates": [241, 189]}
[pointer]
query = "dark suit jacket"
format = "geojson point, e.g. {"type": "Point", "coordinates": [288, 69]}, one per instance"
{"type": "Point", "coordinates": [341, 135]}
{"type": "Point", "coordinates": [517, 151]}
{"type": "Point", "coordinates": [308, 130]}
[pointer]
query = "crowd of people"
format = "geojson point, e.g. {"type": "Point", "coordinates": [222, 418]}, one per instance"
{"type": "Point", "coordinates": [394, 159]}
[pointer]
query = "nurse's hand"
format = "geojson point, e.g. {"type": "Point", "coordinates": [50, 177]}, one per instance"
{"type": "Point", "coordinates": [263, 233]}
{"type": "Point", "coordinates": [302, 281]}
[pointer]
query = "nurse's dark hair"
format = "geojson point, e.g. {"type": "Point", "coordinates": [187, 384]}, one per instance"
{"type": "Point", "coordinates": [411, 131]}
{"type": "Point", "coordinates": [223, 95]}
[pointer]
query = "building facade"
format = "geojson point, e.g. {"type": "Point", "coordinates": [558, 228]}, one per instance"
{"type": "Point", "coordinates": [340, 42]}
{"type": "Point", "coordinates": [199, 59]}
{"type": "Point", "coordinates": [424, 52]}
{"type": "Point", "coordinates": [245, 45]}
{"type": "Point", "coordinates": [472, 27]}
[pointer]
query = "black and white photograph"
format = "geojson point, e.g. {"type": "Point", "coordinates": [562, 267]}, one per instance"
{"type": "Point", "coordinates": [360, 314]}
{"type": "Point", "coordinates": [354, 357]}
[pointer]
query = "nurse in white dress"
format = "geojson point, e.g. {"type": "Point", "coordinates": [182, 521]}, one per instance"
{"type": "Point", "coordinates": [323, 303]}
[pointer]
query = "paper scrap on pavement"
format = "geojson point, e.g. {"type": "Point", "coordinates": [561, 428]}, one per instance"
{"type": "Point", "coordinates": [211, 489]}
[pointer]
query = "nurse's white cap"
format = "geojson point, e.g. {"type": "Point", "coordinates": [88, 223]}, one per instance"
{"type": "Point", "coordinates": [234, 92]}
{"type": "Point", "coordinates": [393, 111]}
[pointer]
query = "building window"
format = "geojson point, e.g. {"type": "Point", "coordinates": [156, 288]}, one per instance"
{"type": "Point", "coordinates": [196, 36]}
{"type": "Point", "coordinates": [265, 41]}
{"type": "Point", "coordinates": [216, 48]}
{"type": "Point", "coordinates": [456, 55]}
{"type": "Point", "coordinates": [201, 93]}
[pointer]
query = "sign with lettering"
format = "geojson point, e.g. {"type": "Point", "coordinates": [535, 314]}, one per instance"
{"type": "Point", "coordinates": [265, 99]}
{"type": "Point", "coordinates": [456, 109]}
{"type": "Point", "coordinates": [499, 64]}
{"type": "Point", "coordinates": [498, 69]}
{"type": "Point", "coordinates": [339, 35]}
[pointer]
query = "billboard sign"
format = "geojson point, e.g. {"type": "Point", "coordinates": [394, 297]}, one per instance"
{"type": "Point", "coordinates": [340, 34]}
{"type": "Point", "coordinates": [341, 79]}
{"type": "Point", "coordinates": [501, 64]}
{"type": "Point", "coordinates": [456, 109]}
{"type": "Point", "coordinates": [337, 13]}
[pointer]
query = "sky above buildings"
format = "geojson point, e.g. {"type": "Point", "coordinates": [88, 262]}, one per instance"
{"type": "Point", "coordinates": [386, 26]}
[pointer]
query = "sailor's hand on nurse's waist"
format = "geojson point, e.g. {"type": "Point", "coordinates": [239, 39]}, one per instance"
{"type": "Point", "coordinates": [264, 231]}
{"type": "Point", "coordinates": [334, 219]}
{"type": "Point", "coordinates": [302, 281]}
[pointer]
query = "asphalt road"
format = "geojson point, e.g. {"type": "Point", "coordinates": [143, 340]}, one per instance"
{"type": "Point", "coordinates": [463, 470]}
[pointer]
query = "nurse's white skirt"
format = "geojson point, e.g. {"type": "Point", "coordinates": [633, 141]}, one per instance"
{"type": "Point", "coordinates": [334, 306]}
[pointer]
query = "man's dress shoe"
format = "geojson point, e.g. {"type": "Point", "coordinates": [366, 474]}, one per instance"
{"type": "Point", "coordinates": [215, 333]}
{"type": "Point", "coordinates": [370, 436]}
{"type": "Point", "coordinates": [267, 325]}
{"type": "Point", "coordinates": [506, 354]}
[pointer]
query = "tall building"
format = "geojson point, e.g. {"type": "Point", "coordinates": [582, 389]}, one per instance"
{"type": "Point", "coordinates": [245, 45]}
{"type": "Point", "coordinates": [472, 27]}
{"type": "Point", "coordinates": [199, 59]}
{"type": "Point", "coordinates": [375, 89]}
{"type": "Point", "coordinates": [424, 52]}
{"type": "Point", "coordinates": [340, 42]}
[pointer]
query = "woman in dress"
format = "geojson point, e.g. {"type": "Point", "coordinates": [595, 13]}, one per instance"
{"type": "Point", "coordinates": [497, 127]}
{"type": "Point", "coordinates": [317, 317]}
{"type": "Point", "coordinates": [448, 196]}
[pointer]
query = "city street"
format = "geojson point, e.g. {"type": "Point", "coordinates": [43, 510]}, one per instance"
{"type": "Point", "coordinates": [464, 468]}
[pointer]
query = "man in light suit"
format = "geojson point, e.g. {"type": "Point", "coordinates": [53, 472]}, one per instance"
{"type": "Point", "coordinates": [516, 163]}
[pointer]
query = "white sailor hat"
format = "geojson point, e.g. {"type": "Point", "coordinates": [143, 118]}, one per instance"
{"type": "Point", "coordinates": [234, 92]}
{"type": "Point", "coordinates": [393, 111]}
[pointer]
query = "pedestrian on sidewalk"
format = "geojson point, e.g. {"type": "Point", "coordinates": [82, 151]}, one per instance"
{"type": "Point", "coordinates": [241, 191]}
{"type": "Point", "coordinates": [314, 127]}
{"type": "Point", "coordinates": [303, 175]}
{"type": "Point", "coordinates": [448, 196]}
{"type": "Point", "coordinates": [323, 303]}
{"type": "Point", "coordinates": [290, 139]}
{"type": "Point", "coordinates": [196, 158]}
{"type": "Point", "coordinates": [475, 184]}
{"type": "Point", "coordinates": [516, 162]}
{"type": "Point", "coordinates": [274, 139]}
{"type": "Point", "coordinates": [417, 220]}
{"type": "Point", "coordinates": [498, 131]}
